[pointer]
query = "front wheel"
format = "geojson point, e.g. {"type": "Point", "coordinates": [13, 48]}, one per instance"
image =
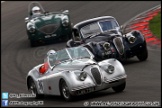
{"type": "Point", "coordinates": [119, 88]}
{"type": "Point", "coordinates": [33, 89]}
{"type": "Point", "coordinates": [35, 43]}
{"type": "Point", "coordinates": [32, 43]}
{"type": "Point", "coordinates": [143, 55]}
{"type": "Point", "coordinates": [65, 91]}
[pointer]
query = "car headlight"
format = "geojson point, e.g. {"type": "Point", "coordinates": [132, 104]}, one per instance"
{"type": "Point", "coordinates": [131, 39]}
{"type": "Point", "coordinates": [110, 69]}
{"type": "Point", "coordinates": [82, 76]}
{"type": "Point", "coordinates": [65, 22]}
{"type": "Point", "coordinates": [106, 46]}
{"type": "Point", "coordinates": [31, 28]}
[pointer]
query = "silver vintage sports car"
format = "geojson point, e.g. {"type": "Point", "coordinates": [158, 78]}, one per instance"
{"type": "Point", "coordinates": [73, 71]}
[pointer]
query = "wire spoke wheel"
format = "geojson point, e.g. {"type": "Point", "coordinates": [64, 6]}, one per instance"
{"type": "Point", "coordinates": [65, 91]}
{"type": "Point", "coordinates": [33, 89]}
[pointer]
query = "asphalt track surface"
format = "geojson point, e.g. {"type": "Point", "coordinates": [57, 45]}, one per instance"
{"type": "Point", "coordinates": [17, 57]}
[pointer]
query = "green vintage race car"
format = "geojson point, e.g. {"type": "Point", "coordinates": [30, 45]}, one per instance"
{"type": "Point", "coordinates": [47, 27]}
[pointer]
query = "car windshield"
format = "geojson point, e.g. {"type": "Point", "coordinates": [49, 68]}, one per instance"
{"type": "Point", "coordinates": [67, 54]}
{"type": "Point", "coordinates": [58, 57]}
{"type": "Point", "coordinates": [78, 52]}
{"type": "Point", "coordinates": [98, 27]}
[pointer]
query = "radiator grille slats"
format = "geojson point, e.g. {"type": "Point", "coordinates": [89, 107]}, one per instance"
{"type": "Point", "coordinates": [49, 29]}
{"type": "Point", "coordinates": [119, 45]}
{"type": "Point", "coordinates": [96, 74]}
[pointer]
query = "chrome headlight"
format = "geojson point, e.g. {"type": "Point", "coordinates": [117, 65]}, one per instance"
{"type": "Point", "coordinates": [31, 28]}
{"type": "Point", "coordinates": [110, 69]}
{"type": "Point", "coordinates": [65, 21]}
{"type": "Point", "coordinates": [131, 39]}
{"type": "Point", "coordinates": [82, 76]}
{"type": "Point", "coordinates": [106, 46]}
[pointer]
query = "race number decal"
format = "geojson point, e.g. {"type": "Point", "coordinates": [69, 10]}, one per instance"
{"type": "Point", "coordinates": [40, 86]}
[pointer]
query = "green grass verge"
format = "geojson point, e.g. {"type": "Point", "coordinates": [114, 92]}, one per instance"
{"type": "Point", "coordinates": [155, 25]}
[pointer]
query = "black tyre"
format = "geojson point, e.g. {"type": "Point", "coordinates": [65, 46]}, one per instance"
{"type": "Point", "coordinates": [119, 88]}
{"type": "Point", "coordinates": [143, 55]}
{"type": "Point", "coordinates": [33, 89]}
{"type": "Point", "coordinates": [32, 43]}
{"type": "Point", "coordinates": [64, 90]}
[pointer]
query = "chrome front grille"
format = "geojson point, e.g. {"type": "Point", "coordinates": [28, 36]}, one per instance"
{"type": "Point", "coordinates": [119, 45]}
{"type": "Point", "coordinates": [49, 29]}
{"type": "Point", "coordinates": [96, 75]}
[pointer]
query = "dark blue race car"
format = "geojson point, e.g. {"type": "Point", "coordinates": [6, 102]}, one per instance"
{"type": "Point", "coordinates": [104, 38]}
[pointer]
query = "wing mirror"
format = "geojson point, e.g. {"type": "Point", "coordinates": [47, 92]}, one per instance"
{"type": "Point", "coordinates": [26, 20]}
{"type": "Point", "coordinates": [66, 12]}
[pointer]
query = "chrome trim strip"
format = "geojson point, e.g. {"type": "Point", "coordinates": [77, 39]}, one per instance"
{"type": "Point", "coordinates": [100, 26]}
{"type": "Point", "coordinates": [82, 87]}
{"type": "Point", "coordinates": [114, 79]}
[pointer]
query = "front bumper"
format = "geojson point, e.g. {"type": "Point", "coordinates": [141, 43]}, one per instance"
{"type": "Point", "coordinates": [85, 89]}
{"type": "Point", "coordinates": [60, 33]}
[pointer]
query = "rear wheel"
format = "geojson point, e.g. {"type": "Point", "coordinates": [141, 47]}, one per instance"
{"type": "Point", "coordinates": [143, 55]}
{"type": "Point", "coordinates": [65, 91]}
{"type": "Point", "coordinates": [119, 88]}
{"type": "Point", "coordinates": [33, 89]}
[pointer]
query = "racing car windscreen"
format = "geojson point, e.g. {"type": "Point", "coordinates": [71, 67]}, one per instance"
{"type": "Point", "coordinates": [108, 25]}
{"type": "Point", "coordinates": [90, 29]}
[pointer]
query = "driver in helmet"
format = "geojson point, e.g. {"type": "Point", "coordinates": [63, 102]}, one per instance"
{"type": "Point", "coordinates": [36, 11]}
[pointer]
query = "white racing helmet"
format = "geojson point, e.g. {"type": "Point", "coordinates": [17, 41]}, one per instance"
{"type": "Point", "coordinates": [36, 10]}
{"type": "Point", "coordinates": [51, 52]}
